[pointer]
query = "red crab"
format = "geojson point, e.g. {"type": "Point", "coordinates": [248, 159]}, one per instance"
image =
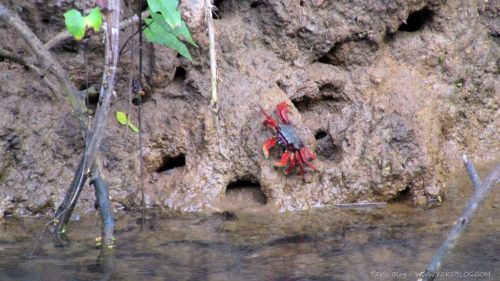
{"type": "Point", "coordinates": [296, 153]}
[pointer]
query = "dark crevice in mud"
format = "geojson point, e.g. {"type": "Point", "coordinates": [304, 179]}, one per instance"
{"type": "Point", "coordinates": [329, 95]}
{"type": "Point", "coordinates": [226, 216]}
{"type": "Point", "coordinates": [404, 196]}
{"type": "Point", "coordinates": [330, 57]}
{"type": "Point", "coordinates": [351, 53]}
{"type": "Point", "coordinates": [92, 100]}
{"type": "Point", "coordinates": [256, 4]}
{"type": "Point", "coordinates": [180, 74]}
{"type": "Point", "coordinates": [246, 189]}
{"type": "Point", "coordinates": [170, 163]}
{"type": "Point", "coordinates": [71, 46]}
{"type": "Point", "coordinates": [8, 213]}
{"type": "Point", "coordinates": [216, 12]}
{"type": "Point", "coordinates": [417, 20]}
{"type": "Point", "coordinates": [326, 148]}
{"type": "Point", "coordinates": [320, 135]}
{"type": "Point", "coordinates": [281, 85]}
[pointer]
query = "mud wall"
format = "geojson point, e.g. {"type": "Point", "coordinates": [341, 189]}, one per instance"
{"type": "Point", "coordinates": [389, 94]}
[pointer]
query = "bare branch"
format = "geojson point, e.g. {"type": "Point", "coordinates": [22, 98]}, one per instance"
{"type": "Point", "coordinates": [46, 60]}
{"type": "Point", "coordinates": [474, 177]}
{"type": "Point", "coordinates": [213, 62]}
{"type": "Point", "coordinates": [64, 35]}
{"type": "Point", "coordinates": [23, 61]}
{"type": "Point", "coordinates": [361, 205]}
{"type": "Point", "coordinates": [93, 143]}
{"type": "Point", "coordinates": [481, 192]}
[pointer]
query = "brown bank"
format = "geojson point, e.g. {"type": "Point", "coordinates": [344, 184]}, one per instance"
{"type": "Point", "coordinates": [388, 95]}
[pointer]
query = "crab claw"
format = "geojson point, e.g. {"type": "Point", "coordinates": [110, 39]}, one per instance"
{"type": "Point", "coordinates": [282, 110]}
{"type": "Point", "coordinates": [284, 160]}
{"type": "Point", "coordinates": [270, 143]}
{"type": "Point", "coordinates": [269, 121]}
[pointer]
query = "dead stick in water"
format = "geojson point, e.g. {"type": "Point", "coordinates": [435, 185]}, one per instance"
{"type": "Point", "coordinates": [474, 177]}
{"type": "Point", "coordinates": [480, 193]}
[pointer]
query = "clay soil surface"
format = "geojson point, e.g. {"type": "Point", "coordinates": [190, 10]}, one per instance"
{"type": "Point", "coordinates": [389, 95]}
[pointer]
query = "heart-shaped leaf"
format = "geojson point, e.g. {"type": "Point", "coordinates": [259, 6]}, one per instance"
{"type": "Point", "coordinates": [94, 19]}
{"type": "Point", "coordinates": [74, 23]}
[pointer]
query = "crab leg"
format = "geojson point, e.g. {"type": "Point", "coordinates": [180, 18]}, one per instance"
{"type": "Point", "coordinates": [269, 121]}
{"type": "Point", "coordinates": [307, 154]}
{"type": "Point", "coordinates": [303, 154]}
{"type": "Point", "coordinates": [285, 158]}
{"type": "Point", "coordinates": [293, 160]}
{"type": "Point", "coordinates": [282, 110]}
{"type": "Point", "coordinates": [301, 162]}
{"type": "Point", "coordinates": [270, 143]}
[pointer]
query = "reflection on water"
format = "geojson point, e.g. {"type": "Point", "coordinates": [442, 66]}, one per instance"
{"type": "Point", "coordinates": [327, 244]}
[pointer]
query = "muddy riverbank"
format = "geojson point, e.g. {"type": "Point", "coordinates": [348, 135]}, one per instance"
{"type": "Point", "coordinates": [388, 94]}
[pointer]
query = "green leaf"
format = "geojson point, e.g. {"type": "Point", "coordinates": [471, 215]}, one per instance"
{"type": "Point", "coordinates": [181, 31]}
{"type": "Point", "coordinates": [74, 23]}
{"type": "Point", "coordinates": [168, 8]}
{"type": "Point", "coordinates": [94, 19]}
{"type": "Point", "coordinates": [156, 34]}
{"type": "Point", "coordinates": [133, 128]}
{"type": "Point", "coordinates": [121, 117]}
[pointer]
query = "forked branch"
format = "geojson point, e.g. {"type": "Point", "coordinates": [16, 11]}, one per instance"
{"type": "Point", "coordinates": [480, 193]}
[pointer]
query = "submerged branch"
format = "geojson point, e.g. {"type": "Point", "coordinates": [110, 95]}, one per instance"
{"type": "Point", "coordinates": [481, 192]}
{"type": "Point", "coordinates": [102, 197]}
{"type": "Point", "coordinates": [474, 177]}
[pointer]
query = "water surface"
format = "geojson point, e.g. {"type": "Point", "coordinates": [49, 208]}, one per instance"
{"type": "Point", "coordinates": [389, 243]}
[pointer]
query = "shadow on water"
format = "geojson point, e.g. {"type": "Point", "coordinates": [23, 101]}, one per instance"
{"type": "Point", "coordinates": [327, 244]}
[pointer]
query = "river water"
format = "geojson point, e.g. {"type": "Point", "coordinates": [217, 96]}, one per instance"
{"type": "Point", "coordinates": [391, 243]}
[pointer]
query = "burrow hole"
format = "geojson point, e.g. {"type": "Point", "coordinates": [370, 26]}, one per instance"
{"type": "Point", "coordinates": [330, 95]}
{"type": "Point", "coordinates": [246, 191]}
{"type": "Point", "coordinates": [256, 4]}
{"type": "Point", "coordinates": [216, 12]}
{"type": "Point", "coordinates": [170, 163]}
{"type": "Point", "coordinates": [331, 56]}
{"type": "Point", "coordinates": [417, 20]}
{"type": "Point", "coordinates": [92, 95]}
{"type": "Point", "coordinates": [326, 148]}
{"type": "Point", "coordinates": [180, 74]}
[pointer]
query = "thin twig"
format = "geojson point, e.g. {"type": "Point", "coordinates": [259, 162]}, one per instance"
{"type": "Point", "coordinates": [461, 224]}
{"type": "Point", "coordinates": [23, 61]}
{"type": "Point", "coordinates": [40, 236]}
{"type": "Point", "coordinates": [213, 62]}
{"type": "Point", "coordinates": [474, 177]}
{"type": "Point", "coordinates": [64, 36]}
{"type": "Point", "coordinates": [139, 109]}
{"type": "Point", "coordinates": [362, 205]}
{"type": "Point", "coordinates": [47, 61]}
{"type": "Point", "coordinates": [209, 8]}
